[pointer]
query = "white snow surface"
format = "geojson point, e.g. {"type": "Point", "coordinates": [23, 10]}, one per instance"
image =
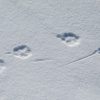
{"type": "Point", "coordinates": [46, 74]}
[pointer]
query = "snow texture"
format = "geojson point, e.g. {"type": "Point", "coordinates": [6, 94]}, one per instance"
{"type": "Point", "coordinates": [49, 49]}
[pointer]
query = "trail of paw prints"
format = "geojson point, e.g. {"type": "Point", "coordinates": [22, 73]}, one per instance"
{"type": "Point", "coordinates": [69, 39]}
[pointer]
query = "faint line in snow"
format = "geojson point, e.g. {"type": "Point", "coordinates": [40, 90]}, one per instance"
{"type": "Point", "coordinates": [85, 57]}
{"type": "Point", "coordinates": [42, 59]}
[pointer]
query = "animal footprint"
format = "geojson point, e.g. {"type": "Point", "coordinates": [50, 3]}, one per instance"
{"type": "Point", "coordinates": [69, 39]}
{"type": "Point", "coordinates": [22, 52]}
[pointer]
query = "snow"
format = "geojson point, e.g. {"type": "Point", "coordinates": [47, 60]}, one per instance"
{"type": "Point", "coordinates": [41, 70]}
